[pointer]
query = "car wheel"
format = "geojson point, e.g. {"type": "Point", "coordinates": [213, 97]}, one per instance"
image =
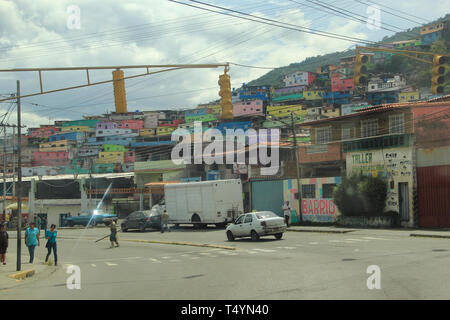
{"type": "Point", "coordinates": [142, 228]}
{"type": "Point", "coordinates": [230, 236]}
{"type": "Point", "coordinates": [254, 235]}
{"type": "Point", "coordinates": [278, 236]}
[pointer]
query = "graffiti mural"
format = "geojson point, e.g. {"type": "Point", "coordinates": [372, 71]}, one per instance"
{"type": "Point", "coordinates": [317, 204]}
{"type": "Point", "coordinates": [394, 165]}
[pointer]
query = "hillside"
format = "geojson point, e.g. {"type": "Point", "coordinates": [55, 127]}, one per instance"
{"type": "Point", "coordinates": [418, 74]}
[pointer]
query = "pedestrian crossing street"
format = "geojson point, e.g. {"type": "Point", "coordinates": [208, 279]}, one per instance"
{"type": "Point", "coordinates": [203, 254]}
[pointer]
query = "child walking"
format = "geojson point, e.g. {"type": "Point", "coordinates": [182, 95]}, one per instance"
{"type": "Point", "coordinates": [3, 243]}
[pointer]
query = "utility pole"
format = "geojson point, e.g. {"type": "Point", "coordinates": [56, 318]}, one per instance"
{"type": "Point", "coordinates": [14, 161]}
{"type": "Point", "coordinates": [19, 182]}
{"type": "Point", "coordinates": [4, 169]}
{"type": "Point", "coordinates": [294, 137]}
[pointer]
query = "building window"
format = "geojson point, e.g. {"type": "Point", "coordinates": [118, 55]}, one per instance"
{"type": "Point", "coordinates": [308, 191]}
{"type": "Point", "coordinates": [327, 190]}
{"type": "Point", "coordinates": [346, 133]}
{"type": "Point", "coordinates": [323, 135]}
{"type": "Point", "coordinates": [369, 128]}
{"type": "Point", "coordinates": [396, 123]}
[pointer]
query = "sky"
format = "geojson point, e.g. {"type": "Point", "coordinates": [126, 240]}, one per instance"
{"type": "Point", "coordinates": [47, 33]}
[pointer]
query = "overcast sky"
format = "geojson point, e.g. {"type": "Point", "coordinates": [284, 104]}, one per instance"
{"type": "Point", "coordinates": [36, 34]}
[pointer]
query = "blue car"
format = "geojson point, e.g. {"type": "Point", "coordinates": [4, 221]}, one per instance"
{"type": "Point", "coordinates": [91, 217]}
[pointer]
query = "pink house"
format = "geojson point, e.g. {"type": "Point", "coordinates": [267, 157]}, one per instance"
{"type": "Point", "coordinates": [131, 124]}
{"type": "Point", "coordinates": [42, 158]}
{"type": "Point", "coordinates": [42, 132]}
{"type": "Point", "coordinates": [129, 156]}
{"type": "Point", "coordinates": [248, 108]}
{"type": "Point", "coordinates": [173, 123]}
{"type": "Point", "coordinates": [338, 83]}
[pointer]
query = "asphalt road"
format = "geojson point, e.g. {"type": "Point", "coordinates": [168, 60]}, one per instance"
{"type": "Point", "coordinates": [300, 266]}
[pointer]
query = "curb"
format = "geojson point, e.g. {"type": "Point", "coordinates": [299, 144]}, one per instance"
{"type": "Point", "coordinates": [182, 244]}
{"type": "Point", "coordinates": [322, 231]}
{"type": "Point", "coordinates": [429, 236]}
{"type": "Point", "coordinates": [22, 274]}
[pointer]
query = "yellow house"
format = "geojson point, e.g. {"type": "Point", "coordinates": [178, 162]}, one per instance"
{"type": "Point", "coordinates": [312, 94]}
{"type": "Point", "coordinates": [285, 111]}
{"type": "Point", "coordinates": [75, 129]}
{"type": "Point", "coordinates": [61, 145]}
{"type": "Point", "coordinates": [110, 157]}
{"type": "Point", "coordinates": [164, 131]}
{"type": "Point", "coordinates": [216, 109]}
{"type": "Point", "coordinates": [406, 96]}
{"type": "Point", "coordinates": [147, 132]}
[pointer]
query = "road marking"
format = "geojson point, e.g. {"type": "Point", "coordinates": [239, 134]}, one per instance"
{"type": "Point", "coordinates": [251, 252]}
{"type": "Point", "coordinates": [165, 257]}
{"type": "Point", "coordinates": [155, 260]}
{"type": "Point", "coordinates": [360, 240]}
{"type": "Point", "coordinates": [174, 260]}
{"type": "Point", "coordinates": [336, 241]}
{"type": "Point", "coordinates": [93, 265]}
{"type": "Point", "coordinates": [208, 254]}
{"type": "Point", "coordinates": [313, 243]}
{"type": "Point", "coordinates": [193, 258]}
{"type": "Point", "coordinates": [265, 250]}
{"type": "Point", "coordinates": [109, 264]}
{"type": "Point", "coordinates": [289, 248]}
{"type": "Point", "coordinates": [372, 238]}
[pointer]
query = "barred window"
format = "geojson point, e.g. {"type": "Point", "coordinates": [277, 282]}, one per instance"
{"type": "Point", "coordinates": [308, 191]}
{"type": "Point", "coordinates": [327, 190]}
{"type": "Point", "coordinates": [396, 123]}
{"type": "Point", "coordinates": [323, 135]}
{"type": "Point", "coordinates": [369, 128]}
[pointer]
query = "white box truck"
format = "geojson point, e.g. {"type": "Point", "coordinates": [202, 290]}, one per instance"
{"type": "Point", "coordinates": [201, 203]}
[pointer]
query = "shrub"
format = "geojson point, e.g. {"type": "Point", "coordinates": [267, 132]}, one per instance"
{"type": "Point", "coordinates": [359, 195]}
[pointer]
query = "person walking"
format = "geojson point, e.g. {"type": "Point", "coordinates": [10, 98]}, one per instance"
{"type": "Point", "coordinates": [287, 212]}
{"type": "Point", "coordinates": [32, 239]}
{"type": "Point", "coordinates": [164, 221]}
{"type": "Point", "coordinates": [50, 235]}
{"type": "Point", "coordinates": [113, 236]}
{"type": "Point", "coordinates": [3, 243]}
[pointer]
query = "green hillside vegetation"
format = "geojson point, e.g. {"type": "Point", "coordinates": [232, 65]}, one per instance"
{"type": "Point", "coordinates": [417, 73]}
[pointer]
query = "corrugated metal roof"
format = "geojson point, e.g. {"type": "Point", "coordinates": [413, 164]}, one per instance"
{"type": "Point", "coordinates": [376, 109]}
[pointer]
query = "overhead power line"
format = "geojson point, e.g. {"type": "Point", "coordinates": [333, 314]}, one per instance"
{"type": "Point", "coordinates": [243, 15]}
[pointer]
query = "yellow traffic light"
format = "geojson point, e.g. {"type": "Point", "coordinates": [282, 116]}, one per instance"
{"type": "Point", "coordinates": [119, 92]}
{"type": "Point", "coordinates": [225, 94]}
{"type": "Point", "coordinates": [360, 72]}
{"type": "Point", "coordinates": [438, 77]}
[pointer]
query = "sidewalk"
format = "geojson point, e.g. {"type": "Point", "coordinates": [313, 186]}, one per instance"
{"type": "Point", "coordinates": [9, 277]}
{"type": "Point", "coordinates": [324, 229]}
{"type": "Point", "coordinates": [413, 232]}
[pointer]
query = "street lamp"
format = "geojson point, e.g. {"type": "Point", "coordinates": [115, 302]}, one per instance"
{"type": "Point", "coordinates": [294, 137]}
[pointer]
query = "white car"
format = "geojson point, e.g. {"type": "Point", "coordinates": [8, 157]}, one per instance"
{"type": "Point", "coordinates": [255, 225]}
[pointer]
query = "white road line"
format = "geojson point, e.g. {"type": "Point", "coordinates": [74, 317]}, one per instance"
{"type": "Point", "coordinates": [265, 250]}
{"type": "Point", "coordinates": [289, 248]}
{"type": "Point", "coordinates": [336, 241]}
{"type": "Point", "coordinates": [155, 260]}
{"type": "Point", "coordinates": [251, 252]}
{"type": "Point", "coordinates": [93, 265]}
{"type": "Point", "coordinates": [174, 260]}
{"type": "Point", "coordinates": [313, 243]}
{"type": "Point", "coordinates": [109, 264]}
{"type": "Point", "coordinates": [372, 238]}
{"type": "Point", "coordinates": [165, 257]}
{"type": "Point", "coordinates": [360, 240]}
{"type": "Point", "coordinates": [194, 258]}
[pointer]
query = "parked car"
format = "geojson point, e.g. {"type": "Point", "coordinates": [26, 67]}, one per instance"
{"type": "Point", "coordinates": [91, 217]}
{"type": "Point", "coordinates": [255, 225]}
{"type": "Point", "coordinates": [142, 220]}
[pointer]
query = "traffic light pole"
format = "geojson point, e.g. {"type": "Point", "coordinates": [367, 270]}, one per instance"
{"type": "Point", "coordinates": [19, 182]}
{"type": "Point", "coordinates": [299, 190]}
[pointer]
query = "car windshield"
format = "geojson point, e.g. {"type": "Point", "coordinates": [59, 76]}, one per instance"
{"type": "Point", "coordinates": [265, 215]}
